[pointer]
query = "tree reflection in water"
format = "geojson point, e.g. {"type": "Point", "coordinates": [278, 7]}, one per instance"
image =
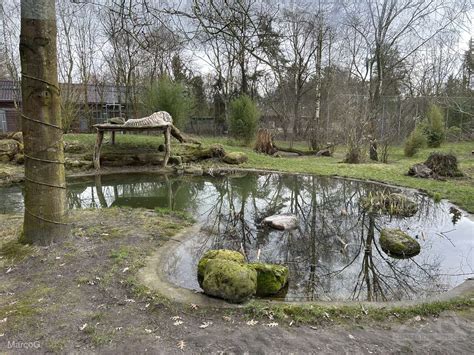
{"type": "Point", "coordinates": [334, 254]}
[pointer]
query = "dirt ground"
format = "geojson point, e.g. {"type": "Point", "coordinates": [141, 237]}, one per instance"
{"type": "Point", "coordinates": [82, 295]}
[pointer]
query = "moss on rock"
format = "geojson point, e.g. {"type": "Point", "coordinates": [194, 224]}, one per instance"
{"type": "Point", "coordinates": [223, 254]}
{"type": "Point", "coordinates": [229, 280]}
{"type": "Point", "coordinates": [8, 149]}
{"type": "Point", "coordinates": [235, 158]}
{"type": "Point", "coordinates": [271, 278]}
{"type": "Point", "coordinates": [394, 204]}
{"type": "Point", "coordinates": [398, 244]}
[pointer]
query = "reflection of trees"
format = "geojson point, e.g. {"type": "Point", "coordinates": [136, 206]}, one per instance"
{"type": "Point", "coordinates": [135, 191]}
{"type": "Point", "coordinates": [11, 199]}
{"type": "Point", "coordinates": [334, 253]}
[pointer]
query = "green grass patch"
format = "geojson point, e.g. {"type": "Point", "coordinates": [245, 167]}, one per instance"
{"type": "Point", "coordinates": [317, 314]}
{"type": "Point", "coordinates": [458, 191]}
{"type": "Point", "coordinates": [183, 215]}
{"type": "Point", "coordinates": [14, 251]}
{"type": "Point", "coordinates": [23, 308]}
{"type": "Point", "coordinates": [120, 254]}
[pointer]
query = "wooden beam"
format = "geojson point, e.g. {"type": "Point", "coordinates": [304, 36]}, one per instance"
{"type": "Point", "coordinates": [167, 145]}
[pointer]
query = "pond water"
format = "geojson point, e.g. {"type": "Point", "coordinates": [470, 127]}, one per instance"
{"type": "Point", "coordinates": [333, 255]}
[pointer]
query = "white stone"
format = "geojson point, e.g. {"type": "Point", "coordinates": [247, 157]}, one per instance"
{"type": "Point", "coordinates": [281, 221]}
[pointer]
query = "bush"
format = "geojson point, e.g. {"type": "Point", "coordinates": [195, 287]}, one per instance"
{"type": "Point", "coordinates": [453, 134]}
{"type": "Point", "coordinates": [169, 96]}
{"type": "Point", "coordinates": [433, 127]}
{"type": "Point", "coordinates": [244, 116]}
{"type": "Point", "coordinates": [415, 141]}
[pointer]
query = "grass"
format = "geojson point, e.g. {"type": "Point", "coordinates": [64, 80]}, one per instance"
{"type": "Point", "coordinates": [316, 314]}
{"type": "Point", "coordinates": [459, 191]}
{"type": "Point", "coordinates": [183, 215]}
{"type": "Point", "coordinates": [14, 251]}
{"type": "Point", "coordinates": [20, 310]}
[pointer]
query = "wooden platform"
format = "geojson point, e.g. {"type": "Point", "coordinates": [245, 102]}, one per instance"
{"type": "Point", "coordinates": [108, 127]}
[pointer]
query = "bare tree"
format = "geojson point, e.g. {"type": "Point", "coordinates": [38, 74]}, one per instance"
{"type": "Point", "coordinates": [386, 26]}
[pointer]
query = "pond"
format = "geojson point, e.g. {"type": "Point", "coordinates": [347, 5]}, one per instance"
{"type": "Point", "coordinates": [334, 254]}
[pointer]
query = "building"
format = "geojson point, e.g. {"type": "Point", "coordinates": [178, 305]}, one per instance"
{"type": "Point", "coordinates": [103, 102]}
{"type": "Point", "coordinates": [9, 101]}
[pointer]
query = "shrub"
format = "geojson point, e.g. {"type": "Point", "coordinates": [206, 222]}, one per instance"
{"type": "Point", "coordinates": [453, 134]}
{"type": "Point", "coordinates": [169, 96]}
{"type": "Point", "coordinates": [353, 155]}
{"type": "Point", "coordinates": [414, 142]}
{"type": "Point", "coordinates": [433, 126]}
{"type": "Point", "coordinates": [244, 116]}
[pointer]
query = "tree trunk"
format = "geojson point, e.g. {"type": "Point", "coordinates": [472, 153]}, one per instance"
{"type": "Point", "coordinates": [45, 185]}
{"type": "Point", "coordinates": [176, 133]}
{"type": "Point", "coordinates": [315, 129]}
{"type": "Point", "coordinates": [264, 142]}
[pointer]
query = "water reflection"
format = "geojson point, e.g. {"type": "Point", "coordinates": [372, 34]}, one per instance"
{"type": "Point", "coordinates": [333, 255]}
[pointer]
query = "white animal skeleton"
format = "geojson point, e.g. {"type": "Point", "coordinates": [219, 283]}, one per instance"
{"type": "Point", "coordinates": [161, 118]}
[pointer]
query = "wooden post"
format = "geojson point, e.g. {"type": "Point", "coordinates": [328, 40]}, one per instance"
{"type": "Point", "coordinates": [113, 137]}
{"type": "Point", "coordinates": [98, 144]}
{"type": "Point", "coordinates": [100, 192]}
{"type": "Point", "coordinates": [167, 145]}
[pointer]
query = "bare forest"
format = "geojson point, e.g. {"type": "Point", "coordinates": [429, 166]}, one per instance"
{"type": "Point", "coordinates": [336, 71]}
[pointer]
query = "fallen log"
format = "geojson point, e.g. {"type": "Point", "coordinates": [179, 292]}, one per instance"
{"type": "Point", "coordinates": [176, 133]}
{"type": "Point", "coordinates": [296, 151]}
{"type": "Point", "coordinates": [326, 152]}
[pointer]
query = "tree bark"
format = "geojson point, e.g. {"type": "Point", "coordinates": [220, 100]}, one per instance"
{"type": "Point", "coordinates": [45, 185]}
{"type": "Point", "coordinates": [315, 140]}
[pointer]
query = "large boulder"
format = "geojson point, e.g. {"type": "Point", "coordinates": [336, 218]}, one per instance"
{"type": "Point", "coordinates": [229, 280]}
{"type": "Point", "coordinates": [193, 170]}
{"type": "Point", "coordinates": [235, 158]}
{"type": "Point", "coordinates": [222, 254]}
{"type": "Point", "coordinates": [281, 221]}
{"type": "Point", "coordinates": [19, 158]}
{"type": "Point", "coordinates": [398, 244]}
{"type": "Point", "coordinates": [75, 147]}
{"type": "Point", "coordinates": [8, 149]}
{"type": "Point", "coordinates": [394, 204]}
{"type": "Point", "coordinates": [270, 278]}
{"type": "Point", "coordinates": [18, 136]}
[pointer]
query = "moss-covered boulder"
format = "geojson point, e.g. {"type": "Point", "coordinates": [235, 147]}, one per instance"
{"type": "Point", "coordinates": [18, 136]}
{"type": "Point", "coordinates": [271, 278]}
{"type": "Point", "coordinates": [230, 280]}
{"type": "Point", "coordinates": [8, 149]}
{"type": "Point", "coordinates": [19, 158]}
{"type": "Point", "coordinates": [398, 244]}
{"type": "Point", "coordinates": [235, 158]}
{"type": "Point", "coordinates": [223, 254]}
{"type": "Point", "coordinates": [394, 204]}
{"type": "Point", "coordinates": [193, 170]}
{"type": "Point", "coordinates": [75, 147]}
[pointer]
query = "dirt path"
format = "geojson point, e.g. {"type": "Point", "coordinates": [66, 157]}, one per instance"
{"type": "Point", "coordinates": [82, 296]}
